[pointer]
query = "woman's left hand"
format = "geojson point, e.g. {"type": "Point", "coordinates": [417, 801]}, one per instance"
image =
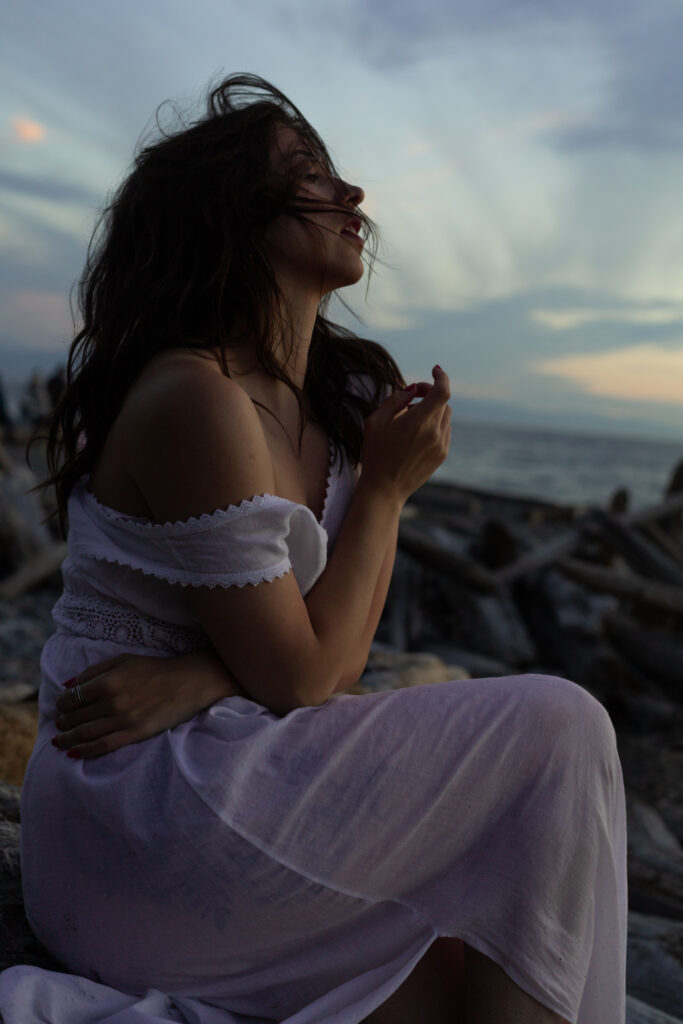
{"type": "Point", "coordinates": [131, 697]}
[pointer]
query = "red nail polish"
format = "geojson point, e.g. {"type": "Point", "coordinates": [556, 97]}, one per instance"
{"type": "Point", "coordinates": [438, 367]}
{"type": "Point", "coordinates": [55, 741]}
{"type": "Point", "coordinates": [411, 387]}
{"type": "Point", "coordinates": [69, 681]}
{"type": "Point", "coordinates": [73, 753]}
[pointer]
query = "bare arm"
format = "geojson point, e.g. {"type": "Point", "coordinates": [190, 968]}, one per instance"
{"type": "Point", "coordinates": [377, 603]}
{"type": "Point", "coordinates": [131, 697]}
{"type": "Point", "coordinates": [205, 449]}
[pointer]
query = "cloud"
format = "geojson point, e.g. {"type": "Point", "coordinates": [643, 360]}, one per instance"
{"type": "Point", "coordinates": [47, 188]}
{"type": "Point", "coordinates": [570, 319]}
{"type": "Point", "coordinates": [539, 123]}
{"type": "Point", "coordinates": [43, 315]}
{"type": "Point", "coordinates": [401, 32]}
{"type": "Point", "coordinates": [646, 372]}
{"type": "Point", "coordinates": [640, 108]}
{"type": "Point", "coordinates": [23, 130]}
{"type": "Point", "coordinates": [629, 51]}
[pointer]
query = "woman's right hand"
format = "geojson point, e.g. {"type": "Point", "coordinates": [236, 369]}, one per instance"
{"type": "Point", "coordinates": [403, 444]}
{"type": "Point", "coordinates": [131, 697]}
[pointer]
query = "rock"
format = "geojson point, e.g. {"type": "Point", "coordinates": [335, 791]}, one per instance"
{"type": "Point", "coordinates": [478, 665]}
{"type": "Point", "coordinates": [10, 802]}
{"type": "Point", "coordinates": [655, 863]}
{"type": "Point", "coordinates": [653, 770]}
{"type": "Point", "coordinates": [22, 532]}
{"type": "Point", "coordinates": [15, 693]}
{"type": "Point", "coordinates": [654, 968]}
{"type": "Point", "coordinates": [25, 625]}
{"type": "Point", "coordinates": [18, 730]}
{"type": "Point", "coordinates": [394, 670]}
{"type": "Point", "coordinates": [638, 1012]}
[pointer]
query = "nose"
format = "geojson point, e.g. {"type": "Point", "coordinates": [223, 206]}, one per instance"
{"type": "Point", "coordinates": [354, 193]}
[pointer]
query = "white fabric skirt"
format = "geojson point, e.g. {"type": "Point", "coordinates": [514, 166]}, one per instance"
{"type": "Point", "coordinates": [245, 867]}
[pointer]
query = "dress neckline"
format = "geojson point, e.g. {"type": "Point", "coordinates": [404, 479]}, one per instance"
{"type": "Point", "coordinates": [114, 513]}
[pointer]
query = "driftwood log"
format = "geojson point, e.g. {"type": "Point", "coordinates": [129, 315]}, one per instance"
{"type": "Point", "coordinates": [635, 588]}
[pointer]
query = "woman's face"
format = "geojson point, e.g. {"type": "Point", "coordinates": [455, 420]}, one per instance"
{"type": "Point", "coordinates": [328, 255]}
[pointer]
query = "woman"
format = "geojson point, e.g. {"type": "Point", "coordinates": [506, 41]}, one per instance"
{"type": "Point", "coordinates": [257, 845]}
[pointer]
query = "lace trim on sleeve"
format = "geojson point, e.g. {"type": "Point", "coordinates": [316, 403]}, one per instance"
{"type": "Point", "coordinates": [207, 520]}
{"type": "Point", "coordinates": [202, 579]}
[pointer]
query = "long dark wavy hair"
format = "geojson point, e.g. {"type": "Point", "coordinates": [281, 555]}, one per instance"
{"type": "Point", "coordinates": [177, 260]}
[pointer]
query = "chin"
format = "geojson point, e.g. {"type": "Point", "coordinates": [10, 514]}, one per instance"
{"type": "Point", "coordinates": [348, 275]}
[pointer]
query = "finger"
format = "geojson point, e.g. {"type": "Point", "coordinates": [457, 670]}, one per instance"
{"type": "Point", "coordinates": [85, 733]}
{"type": "Point", "coordinates": [95, 670]}
{"type": "Point", "coordinates": [90, 713]}
{"type": "Point", "coordinates": [420, 389]}
{"type": "Point", "coordinates": [441, 390]}
{"type": "Point", "coordinates": [393, 405]}
{"type": "Point", "coordinates": [78, 696]}
{"type": "Point", "coordinates": [104, 745]}
{"type": "Point", "coordinates": [433, 395]}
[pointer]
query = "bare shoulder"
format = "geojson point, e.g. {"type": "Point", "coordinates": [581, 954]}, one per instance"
{"type": "Point", "coordinates": [176, 364]}
{"type": "Point", "coordinates": [194, 441]}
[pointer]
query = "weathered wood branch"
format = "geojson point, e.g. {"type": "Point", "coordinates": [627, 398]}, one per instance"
{"type": "Point", "coordinates": [449, 496]}
{"type": "Point", "coordinates": [665, 541]}
{"type": "Point", "coordinates": [565, 544]}
{"type": "Point", "coordinates": [541, 556]}
{"type": "Point", "coordinates": [414, 542]}
{"type": "Point", "coordinates": [633, 587]}
{"type": "Point", "coordinates": [641, 554]}
{"type": "Point", "coordinates": [671, 506]}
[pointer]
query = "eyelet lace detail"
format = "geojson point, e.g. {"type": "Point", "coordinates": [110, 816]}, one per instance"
{"type": "Point", "coordinates": [122, 624]}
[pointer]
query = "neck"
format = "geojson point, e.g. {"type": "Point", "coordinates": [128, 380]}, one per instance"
{"type": "Point", "coordinates": [297, 318]}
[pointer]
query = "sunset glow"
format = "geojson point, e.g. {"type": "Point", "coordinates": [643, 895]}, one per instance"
{"type": "Point", "coordinates": [641, 373]}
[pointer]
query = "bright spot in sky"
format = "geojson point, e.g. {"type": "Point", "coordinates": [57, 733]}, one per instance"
{"type": "Point", "coordinates": [25, 130]}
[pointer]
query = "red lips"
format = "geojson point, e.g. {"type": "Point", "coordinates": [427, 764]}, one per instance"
{"type": "Point", "coordinates": [353, 225]}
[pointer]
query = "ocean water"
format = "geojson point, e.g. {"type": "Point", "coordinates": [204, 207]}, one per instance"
{"type": "Point", "coordinates": [556, 466]}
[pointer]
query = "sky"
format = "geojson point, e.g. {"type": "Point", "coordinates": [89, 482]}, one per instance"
{"type": "Point", "coordinates": [522, 158]}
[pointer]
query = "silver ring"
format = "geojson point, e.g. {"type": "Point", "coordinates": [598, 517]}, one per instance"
{"type": "Point", "coordinates": [78, 695]}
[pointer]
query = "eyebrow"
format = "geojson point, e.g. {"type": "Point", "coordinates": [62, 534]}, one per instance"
{"type": "Point", "coordinates": [307, 153]}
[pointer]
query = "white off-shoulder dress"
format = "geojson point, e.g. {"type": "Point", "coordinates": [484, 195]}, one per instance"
{"type": "Point", "coordinates": [244, 867]}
